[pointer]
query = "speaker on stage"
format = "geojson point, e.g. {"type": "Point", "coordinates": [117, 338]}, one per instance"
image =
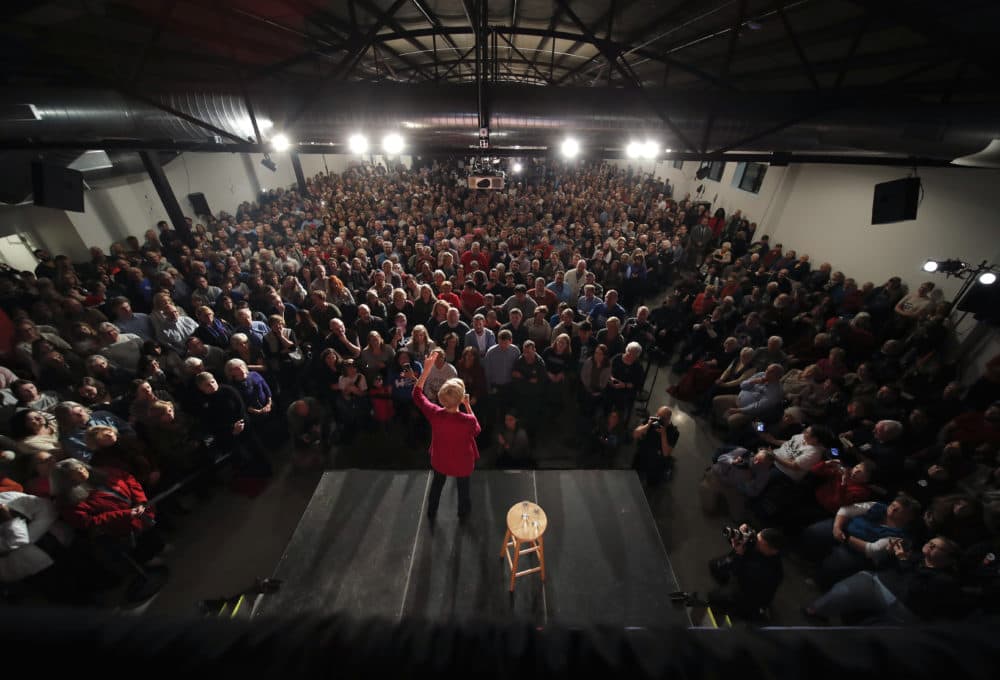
{"type": "Point", "coordinates": [199, 204]}
{"type": "Point", "coordinates": [896, 201]}
{"type": "Point", "coordinates": [54, 186]}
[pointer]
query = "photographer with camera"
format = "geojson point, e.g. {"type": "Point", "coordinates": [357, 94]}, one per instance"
{"type": "Point", "coordinates": [655, 441]}
{"type": "Point", "coordinates": [749, 575]}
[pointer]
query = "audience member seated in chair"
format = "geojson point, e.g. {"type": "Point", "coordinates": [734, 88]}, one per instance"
{"type": "Point", "coordinates": [909, 588]}
{"type": "Point", "coordinates": [858, 537]}
{"type": "Point", "coordinates": [107, 504]}
{"type": "Point", "coordinates": [759, 398]}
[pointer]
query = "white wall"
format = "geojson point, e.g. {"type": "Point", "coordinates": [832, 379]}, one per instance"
{"type": "Point", "coordinates": [129, 205]}
{"type": "Point", "coordinates": [722, 194]}
{"type": "Point", "coordinates": [47, 227]}
{"type": "Point", "coordinates": [826, 210]}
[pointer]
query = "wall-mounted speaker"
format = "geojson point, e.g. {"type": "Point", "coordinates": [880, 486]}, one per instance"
{"type": "Point", "coordinates": [896, 201]}
{"type": "Point", "coordinates": [54, 186]}
{"type": "Point", "coordinates": [199, 204]}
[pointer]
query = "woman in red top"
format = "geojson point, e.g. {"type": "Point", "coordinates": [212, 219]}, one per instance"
{"type": "Point", "coordinates": [453, 438]}
{"type": "Point", "coordinates": [106, 502]}
{"type": "Point", "coordinates": [835, 487]}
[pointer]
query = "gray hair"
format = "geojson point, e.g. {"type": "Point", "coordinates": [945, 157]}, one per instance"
{"type": "Point", "coordinates": [193, 363]}
{"type": "Point", "coordinates": [203, 378]}
{"type": "Point", "coordinates": [63, 488]}
{"type": "Point", "coordinates": [233, 363]}
{"type": "Point", "coordinates": [633, 348]}
{"type": "Point", "coordinates": [239, 337]}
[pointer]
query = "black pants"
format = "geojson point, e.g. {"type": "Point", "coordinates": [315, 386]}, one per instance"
{"type": "Point", "coordinates": [464, 500]}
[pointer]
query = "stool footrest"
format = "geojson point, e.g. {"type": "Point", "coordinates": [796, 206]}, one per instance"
{"type": "Point", "coordinates": [533, 570]}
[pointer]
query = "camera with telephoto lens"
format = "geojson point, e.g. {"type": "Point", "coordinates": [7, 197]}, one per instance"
{"type": "Point", "coordinates": [656, 422]}
{"type": "Point", "coordinates": [737, 535]}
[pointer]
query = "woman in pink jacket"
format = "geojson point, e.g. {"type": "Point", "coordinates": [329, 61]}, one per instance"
{"type": "Point", "coordinates": [453, 438]}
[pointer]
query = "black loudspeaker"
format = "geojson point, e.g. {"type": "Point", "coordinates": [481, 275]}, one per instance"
{"type": "Point", "coordinates": [983, 302]}
{"type": "Point", "coordinates": [199, 204]}
{"type": "Point", "coordinates": [702, 173]}
{"type": "Point", "coordinates": [54, 186]}
{"type": "Point", "coordinates": [896, 201]}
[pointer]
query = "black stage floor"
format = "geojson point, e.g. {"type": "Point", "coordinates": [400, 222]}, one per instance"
{"type": "Point", "coordinates": [364, 547]}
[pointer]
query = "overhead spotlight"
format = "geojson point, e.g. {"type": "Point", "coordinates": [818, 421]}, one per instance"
{"type": "Point", "coordinates": [930, 266]}
{"type": "Point", "coordinates": [358, 144]}
{"type": "Point", "coordinates": [392, 144]}
{"type": "Point", "coordinates": [516, 167]}
{"type": "Point", "coordinates": [633, 149]}
{"type": "Point", "coordinates": [650, 149]}
{"type": "Point", "coordinates": [268, 163]}
{"type": "Point", "coordinates": [570, 147]}
{"type": "Point", "coordinates": [280, 142]}
{"type": "Point", "coordinates": [987, 278]}
{"type": "Point", "coordinates": [668, 150]}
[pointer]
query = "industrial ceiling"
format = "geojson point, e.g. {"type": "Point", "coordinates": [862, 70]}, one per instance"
{"type": "Point", "coordinates": [856, 79]}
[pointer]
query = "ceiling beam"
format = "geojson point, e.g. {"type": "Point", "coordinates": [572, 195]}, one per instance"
{"type": "Point", "coordinates": [449, 150]}
{"type": "Point", "coordinates": [810, 74]}
{"type": "Point", "coordinates": [730, 51]}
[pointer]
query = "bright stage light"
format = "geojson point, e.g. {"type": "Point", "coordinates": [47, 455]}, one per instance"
{"type": "Point", "coordinates": [392, 144]}
{"type": "Point", "coordinates": [650, 149]}
{"type": "Point", "coordinates": [930, 266]}
{"type": "Point", "coordinates": [280, 142]}
{"type": "Point", "coordinates": [516, 167]}
{"type": "Point", "coordinates": [633, 149]}
{"type": "Point", "coordinates": [570, 147]}
{"type": "Point", "coordinates": [987, 278]}
{"type": "Point", "coordinates": [358, 144]}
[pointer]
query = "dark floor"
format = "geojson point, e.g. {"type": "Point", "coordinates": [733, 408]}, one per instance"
{"type": "Point", "coordinates": [230, 540]}
{"type": "Point", "coordinates": [365, 547]}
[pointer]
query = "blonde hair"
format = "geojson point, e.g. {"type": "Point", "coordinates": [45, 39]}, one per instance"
{"type": "Point", "coordinates": [452, 393]}
{"type": "Point", "coordinates": [90, 436]}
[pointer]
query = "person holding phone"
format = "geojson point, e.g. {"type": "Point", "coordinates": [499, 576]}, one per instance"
{"type": "Point", "coordinates": [453, 438]}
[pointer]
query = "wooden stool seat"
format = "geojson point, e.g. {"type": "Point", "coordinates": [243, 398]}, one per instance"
{"type": "Point", "coordinates": [526, 524]}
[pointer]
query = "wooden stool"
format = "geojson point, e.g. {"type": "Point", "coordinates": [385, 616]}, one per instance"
{"type": "Point", "coordinates": [526, 522]}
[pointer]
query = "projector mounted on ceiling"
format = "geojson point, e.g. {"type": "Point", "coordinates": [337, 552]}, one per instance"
{"type": "Point", "coordinates": [491, 182]}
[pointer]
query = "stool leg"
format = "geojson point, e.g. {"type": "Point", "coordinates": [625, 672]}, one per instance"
{"type": "Point", "coordinates": [513, 569]}
{"type": "Point", "coordinates": [541, 555]}
{"type": "Point", "coordinates": [506, 540]}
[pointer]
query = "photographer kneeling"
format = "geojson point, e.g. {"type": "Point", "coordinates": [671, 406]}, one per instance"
{"type": "Point", "coordinates": [749, 574]}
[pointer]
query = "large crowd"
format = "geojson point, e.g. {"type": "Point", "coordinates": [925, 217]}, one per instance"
{"type": "Point", "coordinates": [308, 319]}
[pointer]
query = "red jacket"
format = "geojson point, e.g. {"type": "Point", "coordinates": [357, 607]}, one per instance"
{"type": "Point", "coordinates": [451, 299]}
{"type": "Point", "coordinates": [483, 259]}
{"type": "Point", "coordinates": [453, 437]}
{"type": "Point", "coordinates": [837, 490]}
{"type": "Point", "coordinates": [109, 508]}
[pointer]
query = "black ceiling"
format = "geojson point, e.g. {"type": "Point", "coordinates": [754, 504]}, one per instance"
{"type": "Point", "coordinates": [806, 57]}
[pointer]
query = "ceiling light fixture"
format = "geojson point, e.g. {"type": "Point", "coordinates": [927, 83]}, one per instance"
{"type": "Point", "coordinates": [280, 142]}
{"type": "Point", "coordinates": [570, 147]}
{"type": "Point", "coordinates": [392, 144]}
{"type": "Point", "coordinates": [358, 144]}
